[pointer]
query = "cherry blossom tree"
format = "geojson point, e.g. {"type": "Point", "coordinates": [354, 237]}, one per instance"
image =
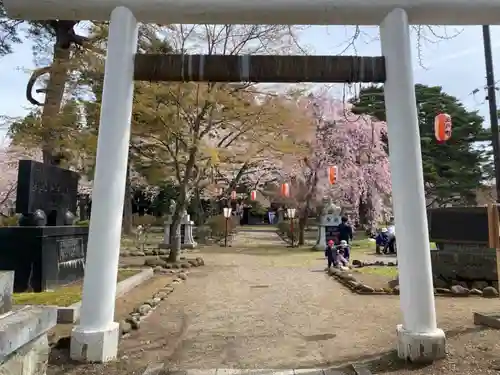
{"type": "Point", "coordinates": [352, 143]}
{"type": "Point", "coordinates": [356, 147]}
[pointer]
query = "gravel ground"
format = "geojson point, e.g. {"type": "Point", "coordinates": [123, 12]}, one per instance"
{"type": "Point", "coordinates": [241, 313]}
{"type": "Point", "coordinates": [282, 311]}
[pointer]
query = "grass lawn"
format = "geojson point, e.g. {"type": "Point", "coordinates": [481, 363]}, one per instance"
{"type": "Point", "coordinates": [275, 255]}
{"type": "Point", "coordinates": [63, 296]}
{"type": "Point", "coordinates": [149, 241]}
{"type": "Point", "coordinates": [379, 271]}
{"type": "Point", "coordinates": [362, 245]}
{"type": "Point", "coordinates": [375, 276]}
{"type": "Point", "coordinates": [367, 245]}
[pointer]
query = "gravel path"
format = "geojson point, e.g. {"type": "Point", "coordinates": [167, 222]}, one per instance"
{"type": "Point", "coordinates": [272, 311]}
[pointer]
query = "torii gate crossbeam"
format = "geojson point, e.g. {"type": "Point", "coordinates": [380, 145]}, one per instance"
{"type": "Point", "coordinates": [95, 339]}
{"type": "Point", "coordinates": [273, 12]}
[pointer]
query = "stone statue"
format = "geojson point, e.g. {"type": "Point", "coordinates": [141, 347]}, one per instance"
{"type": "Point", "coordinates": [173, 205]}
{"type": "Point", "coordinates": [331, 208]}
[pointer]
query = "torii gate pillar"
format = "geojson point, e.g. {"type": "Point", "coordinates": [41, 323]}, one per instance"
{"type": "Point", "coordinates": [95, 339]}
{"type": "Point", "coordinates": [419, 339]}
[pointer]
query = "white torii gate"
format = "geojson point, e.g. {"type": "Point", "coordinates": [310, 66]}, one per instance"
{"type": "Point", "coordinates": [95, 339]}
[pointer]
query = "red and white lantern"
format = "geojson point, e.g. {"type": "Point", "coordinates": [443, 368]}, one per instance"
{"type": "Point", "coordinates": [332, 175]}
{"type": "Point", "coordinates": [442, 127]}
{"type": "Point", "coordinates": [253, 195]}
{"type": "Point", "coordinates": [285, 190]}
{"type": "Point", "coordinates": [233, 195]}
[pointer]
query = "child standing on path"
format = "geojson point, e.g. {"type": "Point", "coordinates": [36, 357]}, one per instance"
{"type": "Point", "coordinates": [331, 254]}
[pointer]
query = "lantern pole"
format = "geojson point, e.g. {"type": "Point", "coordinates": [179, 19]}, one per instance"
{"type": "Point", "coordinates": [227, 215]}
{"type": "Point", "coordinates": [490, 82]}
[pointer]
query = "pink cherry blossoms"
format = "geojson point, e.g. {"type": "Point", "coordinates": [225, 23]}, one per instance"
{"type": "Point", "coordinates": [354, 144]}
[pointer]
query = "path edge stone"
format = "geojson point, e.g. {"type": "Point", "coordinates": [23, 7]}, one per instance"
{"type": "Point", "coordinates": [70, 314]}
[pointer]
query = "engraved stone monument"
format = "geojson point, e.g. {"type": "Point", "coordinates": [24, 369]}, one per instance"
{"type": "Point", "coordinates": [328, 225]}
{"type": "Point", "coordinates": [46, 250]}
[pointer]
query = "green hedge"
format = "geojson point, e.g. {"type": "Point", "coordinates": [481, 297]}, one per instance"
{"type": "Point", "coordinates": [9, 221]}
{"type": "Point", "coordinates": [284, 230]}
{"type": "Point", "coordinates": [217, 225]}
{"type": "Point", "coordinates": [82, 223]}
{"type": "Point", "coordinates": [154, 221]}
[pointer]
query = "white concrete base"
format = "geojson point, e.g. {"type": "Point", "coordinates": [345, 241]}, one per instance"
{"type": "Point", "coordinates": [95, 346]}
{"type": "Point", "coordinates": [421, 347]}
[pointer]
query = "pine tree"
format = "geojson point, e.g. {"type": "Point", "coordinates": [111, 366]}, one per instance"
{"type": "Point", "coordinates": [454, 170]}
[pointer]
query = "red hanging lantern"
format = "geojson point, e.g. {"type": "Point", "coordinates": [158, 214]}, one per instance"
{"type": "Point", "coordinates": [442, 127]}
{"type": "Point", "coordinates": [332, 175]}
{"type": "Point", "coordinates": [253, 195]}
{"type": "Point", "coordinates": [285, 190]}
{"type": "Point", "coordinates": [233, 195]}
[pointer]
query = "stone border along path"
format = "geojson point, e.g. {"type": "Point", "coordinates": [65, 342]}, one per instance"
{"type": "Point", "coordinates": [142, 311]}
{"type": "Point", "coordinates": [159, 369]}
{"type": "Point", "coordinates": [347, 279]}
{"type": "Point", "coordinates": [70, 314]}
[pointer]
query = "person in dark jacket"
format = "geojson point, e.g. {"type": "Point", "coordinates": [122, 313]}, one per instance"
{"type": "Point", "coordinates": [345, 230]}
{"type": "Point", "coordinates": [382, 240]}
{"type": "Point", "coordinates": [331, 254]}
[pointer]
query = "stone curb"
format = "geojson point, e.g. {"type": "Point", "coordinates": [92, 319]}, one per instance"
{"type": "Point", "coordinates": [491, 320]}
{"type": "Point", "coordinates": [70, 314]}
{"type": "Point", "coordinates": [144, 309]}
{"type": "Point", "coordinates": [378, 263]}
{"type": "Point", "coordinates": [353, 285]}
{"type": "Point", "coordinates": [161, 369]}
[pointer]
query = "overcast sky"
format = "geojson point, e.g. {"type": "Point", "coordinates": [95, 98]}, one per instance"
{"type": "Point", "coordinates": [456, 64]}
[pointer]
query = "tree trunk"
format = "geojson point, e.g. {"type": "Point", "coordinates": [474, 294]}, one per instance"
{"type": "Point", "coordinates": [175, 231]}
{"type": "Point", "coordinates": [127, 206]}
{"type": "Point", "coordinates": [175, 240]}
{"type": "Point", "coordinates": [53, 100]}
{"type": "Point", "coordinates": [363, 215]}
{"type": "Point", "coordinates": [200, 212]}
{"type": "Point", "coordinates": [302, 229]}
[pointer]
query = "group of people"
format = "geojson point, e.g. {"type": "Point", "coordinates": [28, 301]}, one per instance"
{"type": "Point", "coordinates": [385, 241]}
{"type": "Point", "coordinates": [338, 254]}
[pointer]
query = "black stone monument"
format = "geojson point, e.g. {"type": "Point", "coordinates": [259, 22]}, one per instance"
{"type": "Point", "coordinates": [46, 250]}
{"type": "Point", "coordinates": [332, 233]}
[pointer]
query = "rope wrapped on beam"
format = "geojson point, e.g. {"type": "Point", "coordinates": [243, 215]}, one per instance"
{"type": "Point", "coordinates": [258, 68]}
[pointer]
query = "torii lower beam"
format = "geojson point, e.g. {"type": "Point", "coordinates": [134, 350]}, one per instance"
{"type": "Point", "coordinates": [95, 339]}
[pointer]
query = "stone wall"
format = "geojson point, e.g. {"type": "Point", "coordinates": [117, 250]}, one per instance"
{"type": "Point", "coordinates": [464, 262]}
